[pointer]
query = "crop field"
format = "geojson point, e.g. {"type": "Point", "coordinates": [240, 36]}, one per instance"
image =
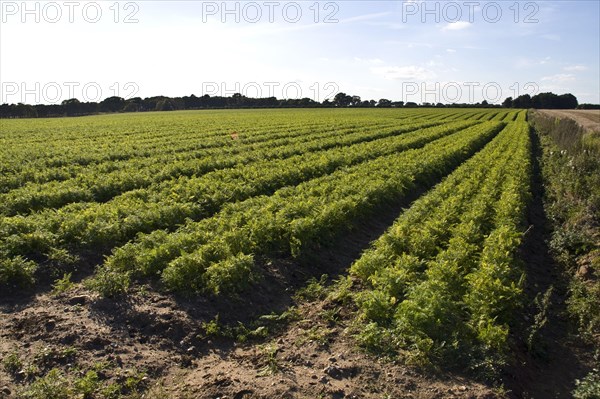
{"type": "Point", "coordinates": [192, 197]}
{"type": "Point", "coordinates": [204, 209]}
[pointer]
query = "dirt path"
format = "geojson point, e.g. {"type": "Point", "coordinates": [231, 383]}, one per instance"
{"type": "Point", "coordinates": [588, 119]}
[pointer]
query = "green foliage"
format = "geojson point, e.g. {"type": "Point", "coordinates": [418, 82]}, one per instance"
{"type": "Point", "coordinates": [12, 363]}
{"type": "Point", "coordinates": [17, 272]}
{"type": "Point", "coordinates": [315, 289]}
{"type": "Point", "coordinates": [230, 275]}
{"type": "Point", "coordinates": [204, 255]}
{"type": "Point", "coordinates": [53, 385]}
{"type": "Point", "coordinates": [87, 385]}
{"type": "Point", "coordinates": [63, 284]}
{"type": "Point", "coordinates": [270, 359]}
{"type": "Point", "coordinates": [74, 197]}
{"type": "Point", "coordinates": [571, 171]}
{"type": "Point", "coordinates": [109, 283]}
{"type": "Point", "coordinates": [442, 282]}
{"type": "Point", "coordinates": [111, 391]}
{"type": "Point", "coordinates": [62, 256]}
{"type": "Point", "coordinates": [589, 387]}
{"type": "Point", "coordinates": [341, 290]}
{"type": "Point", "coordinates": [583, 305]}
{"type": "Point", "coordinates": [212, 328]}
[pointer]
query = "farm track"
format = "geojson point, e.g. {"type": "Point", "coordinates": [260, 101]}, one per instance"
{"type": "Point", "coordinates": [588, 119]}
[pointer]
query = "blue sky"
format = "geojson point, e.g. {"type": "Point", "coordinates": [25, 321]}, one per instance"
{"type": "Point", "coordinates": [433, 51]}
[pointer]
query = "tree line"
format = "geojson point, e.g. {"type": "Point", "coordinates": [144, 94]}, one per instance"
{"type": "Point", "coordinates": [74, 107]}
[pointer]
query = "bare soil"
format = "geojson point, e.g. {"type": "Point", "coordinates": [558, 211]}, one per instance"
{"type": "Point", "coordinates": [309, 358]}
{"type": "Point", "coordinates": [589, 119]}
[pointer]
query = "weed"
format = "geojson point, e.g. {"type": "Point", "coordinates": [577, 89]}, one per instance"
{"type": "Point", "coordinates": [12, 363]}
{"type": "Point", "coordinates": [315, 289]}
{"type": "Point", "coordinates": [331, 316]}
{"type": "Point", "coordinates": [109, 283]}
{"type": "Point", "coordinates": [589, 387]}
{"type": "Point", "coordinates": [63, 284]}
{"type": "Point", "coordinates": [542, 303]}
{"type": "Point", "coordinates": [53, 385]}
{"type": "Point", "coordinates": [317, 334]}
{"type": "Point", "coordinates": [111, 391]}
{"type": "Point", "coordinates": [87, 385]}
{"type": "Point", "coordinates": [270, 358]}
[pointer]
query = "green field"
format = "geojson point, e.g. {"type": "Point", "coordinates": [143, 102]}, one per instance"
{"type": "Point", "coordinates": [196, 203]}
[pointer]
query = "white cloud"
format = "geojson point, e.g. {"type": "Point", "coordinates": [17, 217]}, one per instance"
{"type": "Point", "coordinates": [460, 25]}
{"type": "Point", "coordinates": [560, 77]}
{"type": "Point", "coordinates": [576, 68]}
{"type": "Point", "coordinates": [530, 63]}
{"type": "Point", "coordinates": [372, 61]}
{"type": "Point", "coordinates": [450, 50]}
{"type": "Point", "coordinates": [364, 17]}
{"type": "Point", "coordinates": [405, 72]}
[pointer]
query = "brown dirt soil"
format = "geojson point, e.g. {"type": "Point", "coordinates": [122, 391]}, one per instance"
{"type": "Point", "coordinates": [589, 119]}
{"type": "Point", "coordinates": [311, 357]}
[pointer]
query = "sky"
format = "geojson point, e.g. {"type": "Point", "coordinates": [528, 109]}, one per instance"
{"type": "Point", "coordinates": [421, 51]}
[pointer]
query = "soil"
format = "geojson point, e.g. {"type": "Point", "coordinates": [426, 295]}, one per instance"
{"type": "Point", "coordinates": [588, 119]}
{"type": "Point", "coordinates": [151, 332]}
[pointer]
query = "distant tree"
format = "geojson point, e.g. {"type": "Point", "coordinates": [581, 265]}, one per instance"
{"type": "Point", "coordinates": [112, 104]}
{"type": "Point", "coordinates": [165, 104]}
{"type": "Point", "coordinates": [588, 106]}
{"type": "Point", "coordinates": [544, 100]}
{"type": "Point", "coordinates": [71, 106]}
{"type": "Point", "coordinates": [552, 101]}
{"type": "Point", "coordinates": [131, 107]}
{"type": "Point", "coordinates": [384, 103]}
{"type": "Point", "coordinates": [508, 103]}
{"type": "Point", "coordinates": [25, 111]}
{"type": "Point", "coordinates": [342, 100]}
{"type": "Point", "coordinates": [568, 101]}
{"type": "Point", "coordinates": [523, 101]}
{"type": "Point", "coordinates": [411, 104]}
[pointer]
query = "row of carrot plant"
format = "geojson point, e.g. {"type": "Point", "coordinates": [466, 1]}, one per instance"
{"type": "Point", "coordinates": [442, 283]}
{"type": "Point", "coordinates": [216, 254]}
